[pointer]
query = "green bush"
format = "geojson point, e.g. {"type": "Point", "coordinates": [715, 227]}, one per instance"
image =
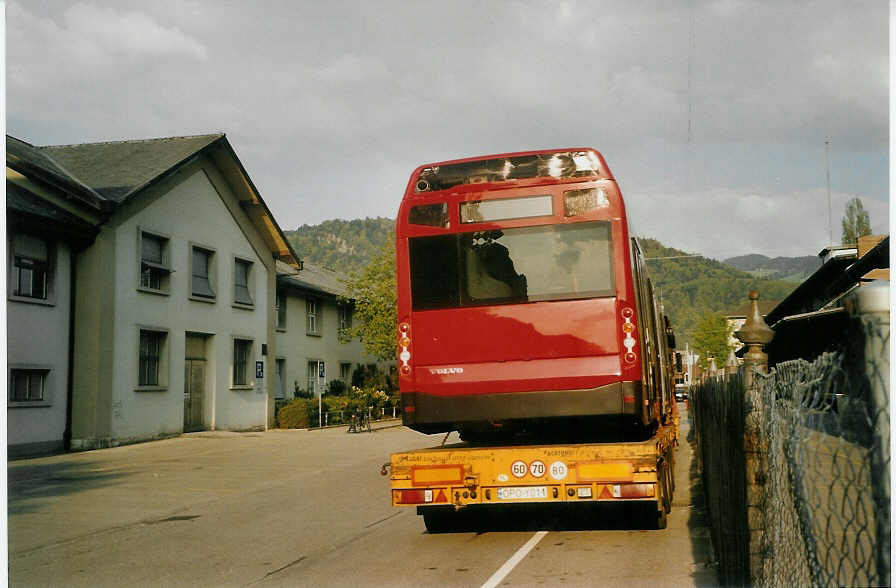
{"type": "Point", "coordinates": [300, 413]}
{"type": "Point", "coordinates": [336, 388]}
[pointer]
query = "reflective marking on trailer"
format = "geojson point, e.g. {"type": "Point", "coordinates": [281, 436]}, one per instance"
{"type": "Point", "coordinates": [537, 469]}
{"type": "Point", "coordinates": [515, 559]}
{"type": "Point", "coordinates": [558, 470]}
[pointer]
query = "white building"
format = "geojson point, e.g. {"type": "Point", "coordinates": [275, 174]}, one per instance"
{"type": "Point", "coordinates": [312, 311]}
{"type": "Point", "coordinates": [174, 300]}
{"type": "Point", "coordinates": [50, 216]}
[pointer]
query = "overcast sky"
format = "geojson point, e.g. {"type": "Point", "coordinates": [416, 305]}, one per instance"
{"type": "Point", "coordinates": [330, 105]}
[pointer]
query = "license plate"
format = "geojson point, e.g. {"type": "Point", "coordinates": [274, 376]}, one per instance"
{"type": "Point", "coordinates": [522, 493]}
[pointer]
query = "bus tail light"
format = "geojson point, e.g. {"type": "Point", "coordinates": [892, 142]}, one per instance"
{"type": "Point", "coordinates": [404, 343]}
{"type": "Point", "coordinates": [628, 330]}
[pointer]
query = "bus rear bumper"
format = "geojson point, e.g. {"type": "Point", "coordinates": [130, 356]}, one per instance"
{"type": "Point", "coordinates": [430, 413]}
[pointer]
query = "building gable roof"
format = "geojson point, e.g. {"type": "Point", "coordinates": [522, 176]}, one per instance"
{"type": "Point", "coordinates": [33, 163]}
{"type": "Point", "coordinates": [118, 169]}
{"type": "Point", "coordinates": [42, 215]}
{"type": "Point", "coordinates": [313, 278]}
{"type": "Point", "coordinates": [765, 307]}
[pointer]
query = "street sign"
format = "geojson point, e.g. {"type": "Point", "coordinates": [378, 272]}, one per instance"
{"type": "Point", "coordinates": [259, 369]}
{"type": "Point", "coordinates": [321, 370]}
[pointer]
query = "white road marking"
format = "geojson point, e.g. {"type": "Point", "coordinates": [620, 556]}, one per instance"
{"type": "Point", "coordinates": [516, 558]}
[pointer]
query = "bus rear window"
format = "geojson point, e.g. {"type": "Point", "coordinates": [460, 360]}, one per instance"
{"type": "Point", "coordinates": [430, 215]}
{"type": "Point", "coordinates": [505, 209]}
{"type": "Point", "coordinates": [509, 266]}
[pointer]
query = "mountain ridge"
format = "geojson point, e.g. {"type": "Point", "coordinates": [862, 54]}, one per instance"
{"type": "Point", "coordinates": [688, 286]}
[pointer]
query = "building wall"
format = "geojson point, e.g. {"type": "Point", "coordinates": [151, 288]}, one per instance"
{"type": "Point", "coordinates": [194, 207]}
{"type": "Point", "coordinates": [37, 337]}
{"type": "Point", "coordinates": [297, 347]}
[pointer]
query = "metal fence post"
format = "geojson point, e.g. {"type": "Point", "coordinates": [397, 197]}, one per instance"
{"type": "Point", "coordinates": [870, 309]}
{"type": "Point", "coordinates": [755, 334]}
{"type": "Point", "coordinates": [731, 365]}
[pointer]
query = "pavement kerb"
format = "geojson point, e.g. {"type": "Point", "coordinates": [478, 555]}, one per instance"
{"type": "Point", "coordinates": [375, 426]}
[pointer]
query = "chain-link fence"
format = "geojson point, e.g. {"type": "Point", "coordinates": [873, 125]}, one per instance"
{"type": "Point", "coordinates": [822, 516]}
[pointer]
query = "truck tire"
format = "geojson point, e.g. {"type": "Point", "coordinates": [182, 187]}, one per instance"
{"type": "Point", "coordinates": [660, 520]}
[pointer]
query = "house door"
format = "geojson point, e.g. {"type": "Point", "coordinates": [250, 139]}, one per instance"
{"type": "Point", "coordinates": [194, 382]}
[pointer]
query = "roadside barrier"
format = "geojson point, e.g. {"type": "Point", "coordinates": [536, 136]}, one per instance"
{"type": "Point", "coordinates": [795, 464]}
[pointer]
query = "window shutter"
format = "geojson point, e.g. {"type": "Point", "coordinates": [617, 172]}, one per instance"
{"type": "Point", "coordinates": [31, 247]}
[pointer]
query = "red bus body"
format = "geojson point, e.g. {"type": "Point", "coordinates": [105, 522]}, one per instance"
{"type": "Point", "coordinates": [485, 346]}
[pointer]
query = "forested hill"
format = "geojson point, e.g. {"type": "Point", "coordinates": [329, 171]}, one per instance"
{"type": "Point", "coordinates": [791, 269]}
{"type": "Point", "coordinates": [341, 245]}
{"type": "Point", "coordinates": [689, 286]}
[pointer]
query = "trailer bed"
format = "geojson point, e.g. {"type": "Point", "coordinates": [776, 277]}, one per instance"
{"type": "Point", "coordinates": [444, 479]}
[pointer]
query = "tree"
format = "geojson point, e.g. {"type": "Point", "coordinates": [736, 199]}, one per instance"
{"type": "Point", "coordinates": [856, 222]}
{"type": "Point", "coordinates": [373, 290]}
{"type": "Point", "coordinates": [711, 339]}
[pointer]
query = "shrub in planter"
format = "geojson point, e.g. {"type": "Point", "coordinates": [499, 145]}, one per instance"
{"type": "Point", "coordinates": [295, 415]}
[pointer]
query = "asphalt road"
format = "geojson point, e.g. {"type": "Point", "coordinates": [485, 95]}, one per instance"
{"type": "Point", "coordinates": [289, 508]}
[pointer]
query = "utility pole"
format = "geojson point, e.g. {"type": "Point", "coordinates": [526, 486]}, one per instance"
{"type": "Point", "coordinates": [827, 171]}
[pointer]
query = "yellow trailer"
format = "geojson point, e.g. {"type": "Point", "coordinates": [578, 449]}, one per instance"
{"type": "Point", "coordinates": [441, 480]}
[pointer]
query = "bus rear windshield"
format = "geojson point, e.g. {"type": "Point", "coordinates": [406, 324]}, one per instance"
{"type": "Point", "coordinates": [509, 266]}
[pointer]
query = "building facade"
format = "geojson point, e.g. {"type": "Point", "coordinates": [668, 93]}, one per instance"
{"type": "Point", "coordinates": [313, 317]}
{"type": "Point", "coordinates": [173, 301]}
{"type": "Point", "coordinates": [50, 218]}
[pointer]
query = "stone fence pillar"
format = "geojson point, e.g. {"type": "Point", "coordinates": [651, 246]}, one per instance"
{"type": "Point", "coordinates": [755, 334]}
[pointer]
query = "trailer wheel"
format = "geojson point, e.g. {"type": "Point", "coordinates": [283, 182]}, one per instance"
{"type": "Point", "coordinates": [661, 518]}
{"type": "Point", "coordinates": [439, 519]}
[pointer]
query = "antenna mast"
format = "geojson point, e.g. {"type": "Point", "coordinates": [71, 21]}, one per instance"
{"type": "Point", "coordinates": [827, 172]}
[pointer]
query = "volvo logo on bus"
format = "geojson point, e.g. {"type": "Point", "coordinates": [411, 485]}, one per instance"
{"type": "Point", "coordinates": [445, 371]}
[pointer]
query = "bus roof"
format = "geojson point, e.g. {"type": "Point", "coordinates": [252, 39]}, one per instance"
{"type": "Point", "coordinates": [503, 167]}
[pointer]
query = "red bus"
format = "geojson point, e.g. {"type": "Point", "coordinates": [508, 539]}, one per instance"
{"type": "Point", "coordinates": [523, 301]}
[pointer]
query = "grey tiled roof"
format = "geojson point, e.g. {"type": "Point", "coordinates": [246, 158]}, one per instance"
{"type": "Point", "coordinates": [765, 307]}
{"type": "Point", "coordinates": [313, 278]}
{"type": "Point", "coordinates": [21, 201]}
{"type": "Point", "coordinates": [118, 169]}
{"type": "Point", "coordinates": [31, 162]}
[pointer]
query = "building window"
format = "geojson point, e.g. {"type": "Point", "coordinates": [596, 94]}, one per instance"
{"type": "Point", "coordinates": [345, 318]}
{"type": "Point", "coordinates": [27, 385]}
{"type": "Point", "coordinates": [345, 372]}
{"type": "Point", "coordinates": [30, 267]}
{"type": "Point", "coordinates": [154, 269]}
{"type": "Point", "coordinates": [151, 347]}
{"type": "Point", "coordinates": [242, 271]}
{"type": "Point", "coordinates": [242, 351]}
{"type": "Point", "coordinates": [281, 310]}
{"type": "Point", "coordinates": [202, 264]}
{"type": "Point", "coordinates": [312, 312]}
{"type": "Point", "coordinates": [311, 377]}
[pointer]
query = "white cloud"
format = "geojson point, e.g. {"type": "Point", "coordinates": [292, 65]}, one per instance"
{"type": "Point", "coordinates": [353, 69]}
{"type": "Point", "coordinates": [309, 90]}
{"type": "Point", "coordinates": [722, 223]}
{"type": "Point", "coordinates": [91, 37]}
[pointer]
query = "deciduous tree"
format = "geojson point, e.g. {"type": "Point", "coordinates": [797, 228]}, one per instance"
{"type": "Point", "coordinates": [373, 290]}
{"type": "Point", "coordinates": [711, 339]}
{"type": "Point", "coordinates": [856, 222]}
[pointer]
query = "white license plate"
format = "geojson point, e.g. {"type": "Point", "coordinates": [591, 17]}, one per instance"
{"type": "Point", "coordinates": [522, 493]}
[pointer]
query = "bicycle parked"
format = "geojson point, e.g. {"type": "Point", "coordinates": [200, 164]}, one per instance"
{"type": "Point", "coordinates": [358, 422]}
